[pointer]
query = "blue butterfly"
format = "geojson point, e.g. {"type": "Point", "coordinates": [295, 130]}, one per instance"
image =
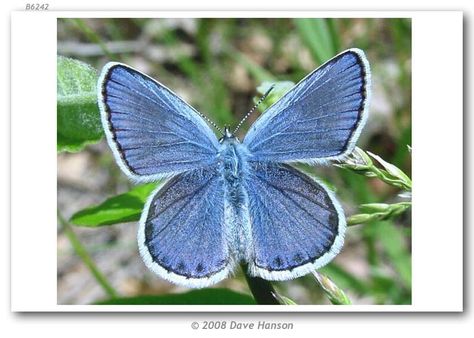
{"type": "Point", "coordinates": [227, 201]}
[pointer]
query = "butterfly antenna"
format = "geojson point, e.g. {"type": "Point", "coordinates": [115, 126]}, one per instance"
{"type": "Point", "coordinates": [253, 108]}
{"type": "Point", "coordinates": [211, 123]}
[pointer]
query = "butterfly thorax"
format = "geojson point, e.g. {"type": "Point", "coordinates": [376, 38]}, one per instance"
{"type": "Point", "coordinates": [232, 162]}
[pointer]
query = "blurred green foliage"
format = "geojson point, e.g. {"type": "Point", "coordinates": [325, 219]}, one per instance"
{"type": "Point", "coordinates": [217, 64]}
{"type": "Point", "coordinates": [195, 297]}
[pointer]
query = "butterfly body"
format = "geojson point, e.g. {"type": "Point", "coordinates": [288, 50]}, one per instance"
{"type": "Point", "coordinates": [232, 161]}
{"type": "Point", "coordinates": [224, 201]}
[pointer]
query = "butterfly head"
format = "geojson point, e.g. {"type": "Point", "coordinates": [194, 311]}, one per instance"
{"type": "Point", "coordinates": [227, 136]}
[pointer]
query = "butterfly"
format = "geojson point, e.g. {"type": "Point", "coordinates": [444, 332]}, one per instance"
{"type": "Point", "coordinates": [225, 201]}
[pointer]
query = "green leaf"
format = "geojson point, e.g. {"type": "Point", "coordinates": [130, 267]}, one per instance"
{"type": "Point", "coordinates": [319, 36]}
{"type": "Point", "coordinates": [195, 297]}
{"type": "Point", "coordinates": [121, 208]}
{"type": "Point", "coordinates": [78, 117]}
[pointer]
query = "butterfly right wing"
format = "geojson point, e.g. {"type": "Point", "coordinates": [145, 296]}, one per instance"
{"type": "Point", "coordinates": [151, 131]}
{"type": "Point", "coordinates": [183, 236]}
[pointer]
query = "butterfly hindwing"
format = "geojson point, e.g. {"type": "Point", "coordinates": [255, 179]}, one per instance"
{"type": "Point", "coordinates": [152, 132]}
{"type": "Point", "coordinates": [182, 235]}
{"type": "Point", "coordinates": [319, 119]}
{"type": "Point", "coordinates": [296, 223]}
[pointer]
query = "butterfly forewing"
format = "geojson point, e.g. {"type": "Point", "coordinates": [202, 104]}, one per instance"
{"type": "Point", "coordinates": [151, 130]}
{"type": "Point", "coordinates": [319, 119]}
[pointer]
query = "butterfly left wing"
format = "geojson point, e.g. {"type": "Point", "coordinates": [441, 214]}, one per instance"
{"type": "Point", "coordinates": [319, 119]}
{"type": "Point", "coordinates": [296, 224]}
{"type": "Point", "coordinates": [182, 235]}
{"type": "Point", "coordinates": [152, 132]}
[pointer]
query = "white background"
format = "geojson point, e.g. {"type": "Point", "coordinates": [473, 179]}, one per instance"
{"type": "Point", "coordinates": [437, 221]}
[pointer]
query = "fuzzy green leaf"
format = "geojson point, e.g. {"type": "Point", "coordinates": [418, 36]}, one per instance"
{"type": "Point", "coordinates": [78, 117]}
{"type": "Point", "coordinates": [121, 208]}
{"type": "Point", "coordinates": [195, 297]}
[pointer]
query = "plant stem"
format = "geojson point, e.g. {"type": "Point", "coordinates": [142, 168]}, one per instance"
{"type": "Point", "coordinates": [262, 290]}
{"type": "Point", "coordinates": [86, 258]}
